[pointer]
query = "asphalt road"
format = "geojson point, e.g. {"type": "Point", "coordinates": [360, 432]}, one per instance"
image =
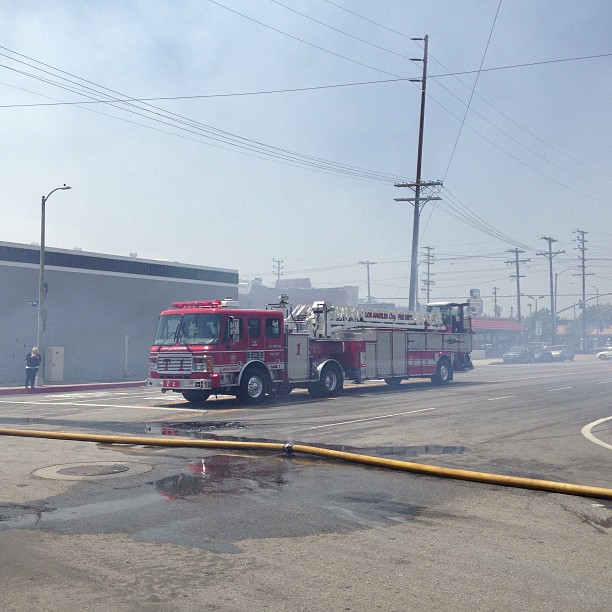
{"type": "Point", "coordinates": [86, 526]}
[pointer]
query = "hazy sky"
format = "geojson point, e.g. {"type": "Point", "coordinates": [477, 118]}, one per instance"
{"type": "Point", "coordinates": [284, 126]}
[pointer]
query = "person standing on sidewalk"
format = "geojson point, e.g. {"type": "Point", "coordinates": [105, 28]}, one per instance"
{"type": "Point", "coordinates": [32, 364]}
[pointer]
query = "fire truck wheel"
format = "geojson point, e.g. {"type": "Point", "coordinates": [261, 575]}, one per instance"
{"type": "Point", "coordinates": [444, 372]}
{"type": "Point", "coordinates": [330, 383]}
{"type": "Point", "coordinates": [196, 397]}
{"type": "Point", "coordinates": [254, 385]}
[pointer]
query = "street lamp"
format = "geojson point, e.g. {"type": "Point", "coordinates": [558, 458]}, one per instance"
{"type": "Point", "coordinates": [535, 298]}
{"type": "Point", "coordinates": [41, 277]}
{"type": "Point", "coordinates": [368, 263]}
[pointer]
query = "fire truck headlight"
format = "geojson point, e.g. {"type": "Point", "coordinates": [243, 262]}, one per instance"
{"type": "Point", "coordinates": [203, 363]}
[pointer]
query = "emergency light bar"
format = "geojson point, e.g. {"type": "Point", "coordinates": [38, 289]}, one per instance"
{"type": "Point", "coordinates": [227, 303]}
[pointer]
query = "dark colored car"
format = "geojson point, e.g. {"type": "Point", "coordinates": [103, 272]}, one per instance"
{"type": "Point", "coordinates": [561, 353]}
{"type": "Point", "coordinates": [518, 354]}
{"type": "Point", "coordinates": [542, 355]}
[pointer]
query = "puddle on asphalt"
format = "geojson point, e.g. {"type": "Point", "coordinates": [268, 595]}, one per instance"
{"type": "Point", "coordinates": [235, 473]}
{"type": "Point", "coordinates": [225, 474]}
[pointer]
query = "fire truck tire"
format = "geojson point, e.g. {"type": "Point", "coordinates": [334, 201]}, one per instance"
{"type": "Point", "coordinates": [444, 372]}
{"type": "Point", "coordinates": [254, 385]}
{"type": "Point", "coordinates": [330, 383]}
{"type": "Point", "coordinates": [393, 382]}
{"type": "Point", "coordinates": [196, 397]}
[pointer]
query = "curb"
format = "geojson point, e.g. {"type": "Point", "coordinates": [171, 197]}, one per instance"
{"type": "Point", "coordinates": [73, 387]}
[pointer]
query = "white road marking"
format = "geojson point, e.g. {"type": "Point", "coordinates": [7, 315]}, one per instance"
{"type": "Point", "coordinates": [492, 399]}
{"type": "Point", "coordinates": [382, 416]}
{"type": "Point", "coordinates": [101, 405]}
{"type": "Point", "coordinates": [586, 432]}
{"type": "Point", "coordinates": [605, 382]}
{"type": "Point", "coordinates": [561, 389]}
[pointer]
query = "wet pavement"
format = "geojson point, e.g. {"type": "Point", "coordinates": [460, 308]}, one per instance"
{"type": "Point", "coordinates": [215, 500]}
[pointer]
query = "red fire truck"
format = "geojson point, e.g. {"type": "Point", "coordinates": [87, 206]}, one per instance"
{"type": "Point", "coordinates": [205, 348]}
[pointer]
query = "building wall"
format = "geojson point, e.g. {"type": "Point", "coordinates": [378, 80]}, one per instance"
{"type": "Point", "coordinates": [90, 313]}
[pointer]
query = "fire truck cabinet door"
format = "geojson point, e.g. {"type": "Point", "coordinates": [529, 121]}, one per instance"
{"type": "Point", "coordinates": [434, 341]}
{"type": "Point", "coordinates": [384, 355]}
{"type": "Point", "coordinates": [297, 357]}
{"type": "Point", "coordinates": [399, 353]}
{"type": "Point", "coordinates": [416, 350]}
{"type": "Point", "coordinates": [370, 353]}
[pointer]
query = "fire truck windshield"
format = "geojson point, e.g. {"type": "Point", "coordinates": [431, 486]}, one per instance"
{"type": "Point", "coordinates": [188, 329]}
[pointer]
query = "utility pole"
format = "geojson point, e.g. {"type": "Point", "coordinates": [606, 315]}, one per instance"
{"type": "Point", "coordinates": [518, 277]}
{"type": "Point", "coordinates": [597, 315]}
{"type": "Point", "coordinates": [496, 308]}
{"type": "Point", "coordinates": [278, 265]}
{"type": "Point", "coordinates": [553, 306]}
{"type": "Point", "coordinates": [368, 263]}
{"type": "Point", "coordinates": [429, 260]}
{"type": "Point", "coordinates": [418, 187]}
{"type": "Point", "coordinates": [582, 257]}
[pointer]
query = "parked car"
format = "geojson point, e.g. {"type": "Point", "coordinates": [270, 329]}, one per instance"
{"type": "Point", "coordinates": [542, 355]}
{"type": "Point", "coordinates": [518, 354]}
{"type": "Point", "coordinates": [561, 353]}
{"type": "Point", "coordinates": [605, 354]}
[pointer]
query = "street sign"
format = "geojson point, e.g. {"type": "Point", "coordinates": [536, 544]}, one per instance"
{"type": "Point", "coordinates": [32, 303]}
{"type": "Point", "coordinates": [476, 306]}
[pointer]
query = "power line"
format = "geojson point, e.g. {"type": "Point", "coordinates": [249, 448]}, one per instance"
{"type": "Point", "coordinates": [467, 108]}
{"type": "Point", "coordinates": [176, 121]}
{"type": "Point", "coordinates": [258, 149]}
{"type": "Point", "coordinates": [330, 86]}
{"type": "Point", "coordinates": [265, 25]}
{"type": "Point", "coordinates": [326, 25]}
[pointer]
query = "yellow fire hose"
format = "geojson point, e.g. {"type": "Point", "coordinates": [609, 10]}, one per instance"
{"type": "Point", "coordinates": [289, 448]}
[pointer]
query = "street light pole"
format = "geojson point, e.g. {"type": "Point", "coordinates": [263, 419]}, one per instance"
{"type": "Point", "coordinates": [535, 298]}
{"type": "Point", "coordinates": [368, 263]}
{"type": "Point", "coordinates": [41, 279]}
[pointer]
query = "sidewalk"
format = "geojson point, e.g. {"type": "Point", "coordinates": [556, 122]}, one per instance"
{"type": "Point", "coordinates": [62, 388]}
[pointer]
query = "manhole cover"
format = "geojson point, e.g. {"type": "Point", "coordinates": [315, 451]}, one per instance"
{"type": "Point", "coordinates": [94, 470]}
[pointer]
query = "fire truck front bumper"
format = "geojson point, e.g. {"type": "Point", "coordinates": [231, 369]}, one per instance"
{"type": "Point", "coordinates": [178, 383]}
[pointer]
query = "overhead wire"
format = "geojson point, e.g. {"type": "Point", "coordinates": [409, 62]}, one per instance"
{"type": "Point", "coordinates": [469, 104]}
{"type": "Point", "coordinates": [330, 86]}
{"type": "Point", "coordinates": [468, 107]}
{"type": "Point", "coordinates": [517, 159]}
{"type": "Point", "coordinates": [194, 127]}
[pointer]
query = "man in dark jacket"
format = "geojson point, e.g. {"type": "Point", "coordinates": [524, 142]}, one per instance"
{"type": "Point", "coordinates": [32, 364]}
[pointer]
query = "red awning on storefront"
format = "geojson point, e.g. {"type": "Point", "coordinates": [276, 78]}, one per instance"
{"type": "Point", "coordinates": [481, 324]}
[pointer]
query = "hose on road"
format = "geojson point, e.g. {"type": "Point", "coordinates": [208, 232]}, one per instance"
{"type": "Point", "coordinates": [289, 448]}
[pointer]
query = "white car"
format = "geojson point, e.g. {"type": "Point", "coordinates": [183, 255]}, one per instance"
{"type": "Point", "coordinates": [605, 354]}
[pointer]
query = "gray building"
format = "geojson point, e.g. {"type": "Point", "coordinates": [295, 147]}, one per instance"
{"type": "Point", "coordinates": [254, 294]}
{"type": "Point", "coordinates": [101, 310]}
